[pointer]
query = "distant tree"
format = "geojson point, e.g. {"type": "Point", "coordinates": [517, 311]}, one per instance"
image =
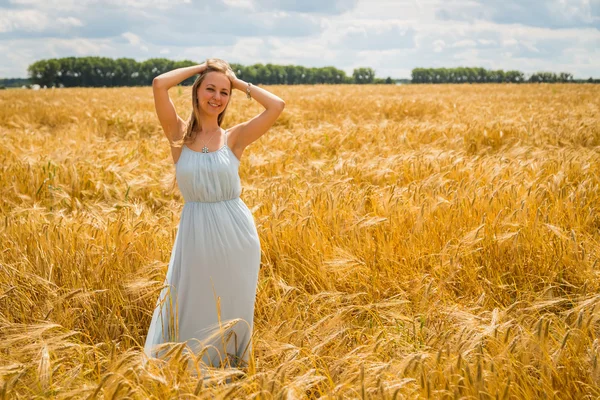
{"type": "Point", "coordinates": [565, 77]}
{"type": "Point", "coordinates": [238, 69]}
{"type": "Point", "coordinates": [462, 75]}
{"type": "Point", "coordinates": [291, 75]}
{"type": "Point", "coordinates": [481, 75]}
{"type": "Point", "coordinates": [514, 76]}
{"type": "Point", "coordinates": [251, 74]}
{"type": "Point", "coordinates": [14, 82]}
{"type": "Point", "coordinates": [263, 74]}
{"type": "Point", "coordinates": [363, 75]}
{"type": "Point", "coordinates": [417, 75]}
{"type": "Point", "coordinates": [548, 77]}
{"type": "Point", "coordinates": [279, 74]}
{"type": "Point", "coordinates": [44, 72]}
{"type": "Point", "coordinates": [499, 76]}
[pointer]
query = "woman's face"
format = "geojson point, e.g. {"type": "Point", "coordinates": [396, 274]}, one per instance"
{"type": "Point", "coordinates": [214, 92]}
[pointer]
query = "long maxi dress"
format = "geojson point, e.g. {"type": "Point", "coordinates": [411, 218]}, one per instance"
{"type": "Point", "coordinates": [208, 299]}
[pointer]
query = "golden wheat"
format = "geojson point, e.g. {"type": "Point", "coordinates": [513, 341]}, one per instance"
{"type": "Point", "coordinates": [418, 242]}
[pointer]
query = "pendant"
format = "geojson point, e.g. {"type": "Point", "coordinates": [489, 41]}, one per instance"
{"type": "Point", "coordinates": [205, 149]}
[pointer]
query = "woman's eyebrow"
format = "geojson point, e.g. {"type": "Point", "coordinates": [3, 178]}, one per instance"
{"type": "Point", "coordinates": [210, 84]}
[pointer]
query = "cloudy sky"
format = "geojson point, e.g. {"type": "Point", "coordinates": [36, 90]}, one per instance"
{"type": "Point", "coordinates": [390, 36]}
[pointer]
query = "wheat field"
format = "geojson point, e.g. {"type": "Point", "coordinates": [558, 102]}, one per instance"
{"type": "Point", "coordinates": [417, 242]}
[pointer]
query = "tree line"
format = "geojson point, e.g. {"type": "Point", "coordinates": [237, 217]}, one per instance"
{"type": "Point", "coordinates": [103, 71]}
{"type": "Point", "coordinates": [108, 72]}
{"type": "Point", "coordinates": [481, 75]}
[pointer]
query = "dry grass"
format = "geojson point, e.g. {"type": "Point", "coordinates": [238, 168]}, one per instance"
{"type": "Point", "coordinates": [418, 241]}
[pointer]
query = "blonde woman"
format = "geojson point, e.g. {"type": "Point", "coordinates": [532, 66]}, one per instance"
{"type": "Point", "coordinates": [210, 288]}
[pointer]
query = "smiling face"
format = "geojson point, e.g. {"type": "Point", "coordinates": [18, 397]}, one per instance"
{"type": "Point", "coordinates": [214, 93]}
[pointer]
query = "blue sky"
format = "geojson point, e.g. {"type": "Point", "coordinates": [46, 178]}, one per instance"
{"type": "Point", "coordinates": [390, 36]}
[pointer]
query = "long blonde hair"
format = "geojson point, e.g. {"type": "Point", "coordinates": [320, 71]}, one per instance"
{"type": "Point", "coordinates": [193, 123]}
{"type": "Point", "coordinates": [213, 65]}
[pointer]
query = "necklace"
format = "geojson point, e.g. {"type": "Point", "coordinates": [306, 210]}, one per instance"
{"type": "Point", "coordinates": [205, 149]}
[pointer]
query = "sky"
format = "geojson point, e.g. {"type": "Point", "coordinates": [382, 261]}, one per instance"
{"type": "Point", "coordinates": [390, 36]}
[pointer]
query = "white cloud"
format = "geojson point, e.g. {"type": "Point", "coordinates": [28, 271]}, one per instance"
{"type": "Point", "coordinates": [69, 21]}
{"type": "Point", "coordinates": [376, 35]}
{"type": "Point", "coordinates": [77, 46]}
{"type": "Point", "coordinates": [391, 36]}
{"type": "Point", "coordinates": [26, 20]}
{"type": "Point", "coordinates": [486, 42]}
{"type": "Point", "coordinates": [438, 45]}
{"type": "Point", "coordinates": [58, 5]}
{"type": "Point", "coordinates": [132, 38]}
{"type": "Point", "coordinates": [135, 40]}
{"type": "Point", "coordinates": [509, 42]}
{"type": "Point", "coordinates": [465, 43]}
{"type": "Point", "coordinates": [552, 14]}
{"type": "Point", "coordinates": [329, 7]}
{"type": "Point", "coordinates": [250, 49]}
{"type": "Point", "coordinates": [245, 4]}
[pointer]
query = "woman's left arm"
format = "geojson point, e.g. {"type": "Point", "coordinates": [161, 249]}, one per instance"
{"type": "Point", "coordinates": [254, 128]}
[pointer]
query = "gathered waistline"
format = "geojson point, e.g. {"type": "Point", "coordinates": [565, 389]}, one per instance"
{"type": "Point", "coordinates": [218, 201]}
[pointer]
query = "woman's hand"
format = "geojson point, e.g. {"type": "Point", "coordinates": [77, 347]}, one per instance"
{"type": "Point", "coordinates": [202, 67]}
{"type": "Point", "coordinates": [231, 75]}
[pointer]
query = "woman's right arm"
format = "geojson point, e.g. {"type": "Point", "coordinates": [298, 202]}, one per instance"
{"type": "Point", "coordinates": [171, 123]}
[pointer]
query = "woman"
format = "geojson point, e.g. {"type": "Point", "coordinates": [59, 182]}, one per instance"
{"type": "Point", "coordinates": [208, 299]}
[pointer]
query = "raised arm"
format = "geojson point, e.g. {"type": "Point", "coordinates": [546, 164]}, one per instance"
{"type": "Point", "coordinates": [254, 128]}
{"type": "Point", "coordinates": [171, 123]}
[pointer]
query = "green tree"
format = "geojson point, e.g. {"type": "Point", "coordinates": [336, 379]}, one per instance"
{"type": "Point", "coordinates": [514, 76]}
{"type": "Point", "coordinates": [363, 75]}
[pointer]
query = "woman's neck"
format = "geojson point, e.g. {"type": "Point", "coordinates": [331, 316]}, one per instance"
{"type": "Point", "coordinates": [209, 124]}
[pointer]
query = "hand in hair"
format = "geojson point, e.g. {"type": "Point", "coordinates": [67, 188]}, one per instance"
{"type": "Point", "coordinates": [202, 67]}
{"type": "Point", "coordinates": [231, 75]}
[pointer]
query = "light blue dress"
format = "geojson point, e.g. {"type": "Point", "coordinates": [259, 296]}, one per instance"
{"type": "Point", "coordinates": [214, 265]}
